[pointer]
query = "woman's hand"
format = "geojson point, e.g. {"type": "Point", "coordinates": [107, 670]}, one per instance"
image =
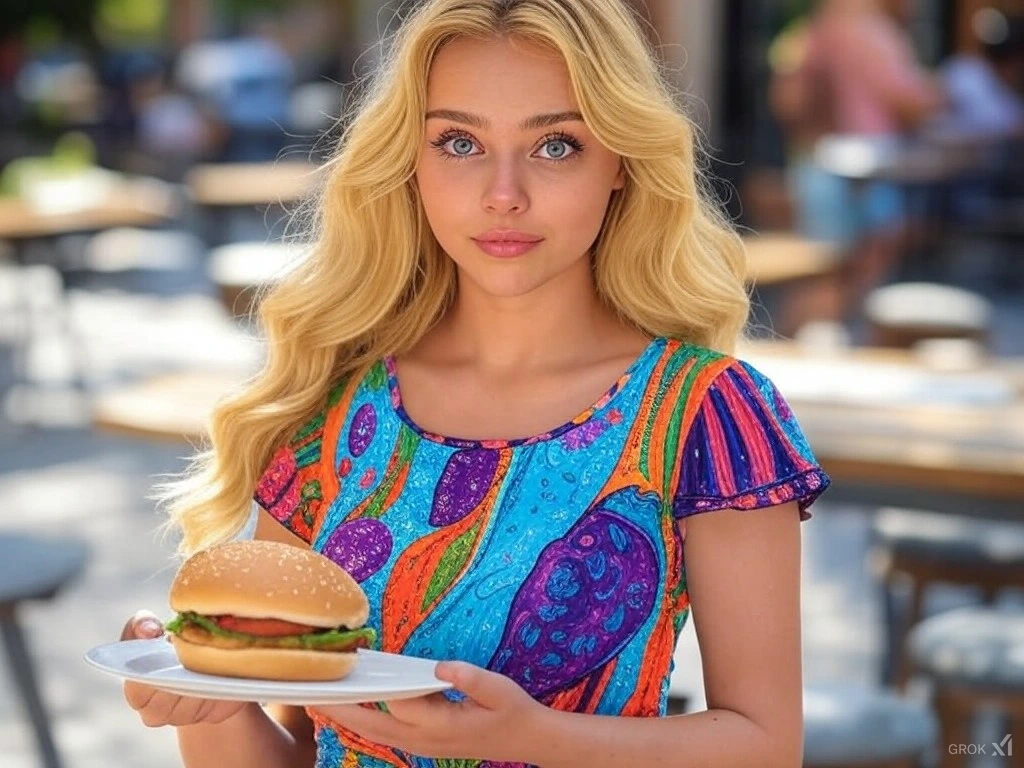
{"type": "Point", "coordinates": [157, 707]}
{"type": "Point", "coordinates": [496, 721]}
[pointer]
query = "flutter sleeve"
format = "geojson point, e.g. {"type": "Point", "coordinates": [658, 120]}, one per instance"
{"type": "Point", "coordinates": [745, 450]}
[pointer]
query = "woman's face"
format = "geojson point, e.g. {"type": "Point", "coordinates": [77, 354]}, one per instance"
{"type": "Point", "coordinates": [506, 154]}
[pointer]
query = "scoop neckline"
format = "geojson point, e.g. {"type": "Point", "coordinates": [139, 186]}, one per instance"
{"type": "Point", "coordinates": [397, 406]}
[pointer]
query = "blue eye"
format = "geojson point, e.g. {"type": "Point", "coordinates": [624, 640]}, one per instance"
{"type": "Point", "coordinates": [561, 154]}
{"type": "Point", "coordinates": [463, 142]}
{"type": "Point", "coordinates": [461, 145]}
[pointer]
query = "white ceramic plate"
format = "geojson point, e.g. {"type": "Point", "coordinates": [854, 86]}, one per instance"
{"type": "Point", "coordinates": [376, 677]}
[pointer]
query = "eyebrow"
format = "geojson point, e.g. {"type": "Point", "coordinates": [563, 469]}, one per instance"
{"type": "Point", "coordinates": [529, 124]}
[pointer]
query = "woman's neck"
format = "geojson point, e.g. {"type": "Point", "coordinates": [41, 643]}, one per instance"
{"type": "Point", "coordinates": [560, 322]}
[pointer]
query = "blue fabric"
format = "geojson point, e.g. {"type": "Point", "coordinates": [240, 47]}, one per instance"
{"type": "Point", "coordinates": [838, 210]}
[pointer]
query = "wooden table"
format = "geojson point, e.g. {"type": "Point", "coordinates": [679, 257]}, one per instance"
{"type": "Point", "coordinates": [977, 450]}
{"type": "Point", "coordinates": [138, 203]}
{"type": "Point", "coordinates": [170, 407]}
{"type": "Point", "coordinates": [913, 162]}
{"type": "Point", "coordinates": [924, 170]}
{"type": "Point", "coordinates": [240, 269]}
{"type": "Point", "coordinates": [971, 449]}
{"type": "Point", "coordinates": [795, 279]}
{"type": "Point", "coordinates": [778, 258]}
{"type": "Point", "coordinates": [122, 202]}
{"type": "Point", "coordinates": [236, 185]}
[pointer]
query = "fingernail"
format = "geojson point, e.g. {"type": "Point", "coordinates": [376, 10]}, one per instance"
{"type": "Point", "coordinates": [150, 626]}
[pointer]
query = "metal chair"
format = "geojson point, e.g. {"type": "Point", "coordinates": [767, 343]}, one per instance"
{"type": "Point", "coordinates": [850, 725]}
{"type": "Point", "coordinates": [920, 549]}
{"type": "Point", "coordinates": [33, 568]}
{"type": "Point", "coordinates": [974, 658]}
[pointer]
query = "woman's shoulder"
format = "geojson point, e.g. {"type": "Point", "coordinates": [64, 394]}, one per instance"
{"type": "Point", "coordinates": [689, 363]}
{"type": "Point", "coordinates": [700, 377]}
{"type": "Point", "coordinates": [691, 359]}
{"type": "Point", "coordinates": [346, 389]}
{"type": "Point", "coordinates": [296, 482]}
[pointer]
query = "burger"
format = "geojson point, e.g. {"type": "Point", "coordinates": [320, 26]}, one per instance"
{"type": "Point", "coordinates": [269, 611]}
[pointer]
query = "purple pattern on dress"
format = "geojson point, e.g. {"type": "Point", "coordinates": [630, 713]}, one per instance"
{"type": "Point", "coordinates": [585, 434]}
{"type": "Point", "coordinates": [464, 482]}
{"type": "Point", "coordinates": [360, 434]}
{"type": "Point", "coordinates": [565, 621]}
{"type": "Point", "coordinates": [361, 546]}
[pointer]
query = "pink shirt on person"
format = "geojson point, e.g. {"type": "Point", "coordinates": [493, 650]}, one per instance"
{"type": "Point", "coordinates": [864, 62]}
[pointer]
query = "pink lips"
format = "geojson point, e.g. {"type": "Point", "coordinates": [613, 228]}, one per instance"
{"type": "Point", "coordinates": [506, 243]}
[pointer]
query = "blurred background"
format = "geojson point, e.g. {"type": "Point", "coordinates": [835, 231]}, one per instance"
{"type": "Point", "coordinates": [870, 150]}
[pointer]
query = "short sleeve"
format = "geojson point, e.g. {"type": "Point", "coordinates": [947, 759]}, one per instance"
{"type": "Point", "coordinates": [290, 487]}
{"type": "Point", "coordinates": [745, 450]}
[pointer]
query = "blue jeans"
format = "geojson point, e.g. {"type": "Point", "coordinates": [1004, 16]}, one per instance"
{"type": "Point", "coordinates": [838, 210]}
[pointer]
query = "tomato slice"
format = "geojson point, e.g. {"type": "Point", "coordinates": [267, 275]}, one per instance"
{"type": "Point", "coordinates": [262, 627]}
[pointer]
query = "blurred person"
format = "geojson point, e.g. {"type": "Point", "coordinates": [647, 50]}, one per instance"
{"type": "Point", "coordinates": [848, 70]}
{"type": "Point", "coordinates": [173, 130]}
{"type": "Point", "coordinates": [985, 117]}
{"type": "Point", "coordinates": [246, 84]}
{"type": "Point", "coordinates": [985, 100]}
{"type": "Point", "coordinates": [508, 354]}
{"type": "Point", "coordinates": [12, 51]}
{"type": "Point", "coordinates": [129, 35]}
{"type": "Point", "coordinates": [122, 69]}
{"type": "Point", "coordinates": [56, 81]}
{"type": "Point", "coordinates": [12, 108]}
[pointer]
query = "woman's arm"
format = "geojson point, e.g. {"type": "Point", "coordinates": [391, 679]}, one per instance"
{"type": "Point", "coordinates": [251, 737]}
{"type": "Point", "coordinates": [743, 576]}
{"type": "Point", "coordinates": [889, 66]}
{"type": "Point", "coordinates": [279, 736]}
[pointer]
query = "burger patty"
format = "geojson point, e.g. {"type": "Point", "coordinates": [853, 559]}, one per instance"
{"type": "Point", "coordinates": [196, 634]}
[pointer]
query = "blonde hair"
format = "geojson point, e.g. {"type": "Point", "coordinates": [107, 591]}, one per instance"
{"type": "Point", "coordinates": [375, 280]}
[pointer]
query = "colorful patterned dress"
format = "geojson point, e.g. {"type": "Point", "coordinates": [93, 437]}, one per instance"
{"type": "Point", "coordinates": [556, 560]}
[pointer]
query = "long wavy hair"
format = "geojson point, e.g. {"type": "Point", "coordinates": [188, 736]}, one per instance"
{"type": "Point", "coordinates": [375, 280]}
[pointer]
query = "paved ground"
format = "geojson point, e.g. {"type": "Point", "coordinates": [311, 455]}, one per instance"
{"type": "Point", "coordinates": [67, 479]}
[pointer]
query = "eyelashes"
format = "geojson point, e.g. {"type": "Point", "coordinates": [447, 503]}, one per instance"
{"type": "Point", "coordinates": [451, 134]}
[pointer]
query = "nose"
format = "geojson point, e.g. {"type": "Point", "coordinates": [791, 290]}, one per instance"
{"type": "Point", "coordinates": [505, 191]}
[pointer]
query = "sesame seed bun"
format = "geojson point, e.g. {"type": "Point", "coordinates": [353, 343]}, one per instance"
{"type": "Point", "coordinates": [269, 580]}
{"type": "Point", "coordinates": [264, 663]}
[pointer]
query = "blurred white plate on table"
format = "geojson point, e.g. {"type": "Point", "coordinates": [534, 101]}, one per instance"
{"type": "Point", "coordinates": [376, 677]}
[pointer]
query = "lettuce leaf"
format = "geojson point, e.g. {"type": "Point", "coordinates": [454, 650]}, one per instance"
{"type": "Point", "coordinates": [312, 640]}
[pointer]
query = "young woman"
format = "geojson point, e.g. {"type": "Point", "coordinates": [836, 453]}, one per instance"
{"type": "Point", "coordinates": [499, 392]}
